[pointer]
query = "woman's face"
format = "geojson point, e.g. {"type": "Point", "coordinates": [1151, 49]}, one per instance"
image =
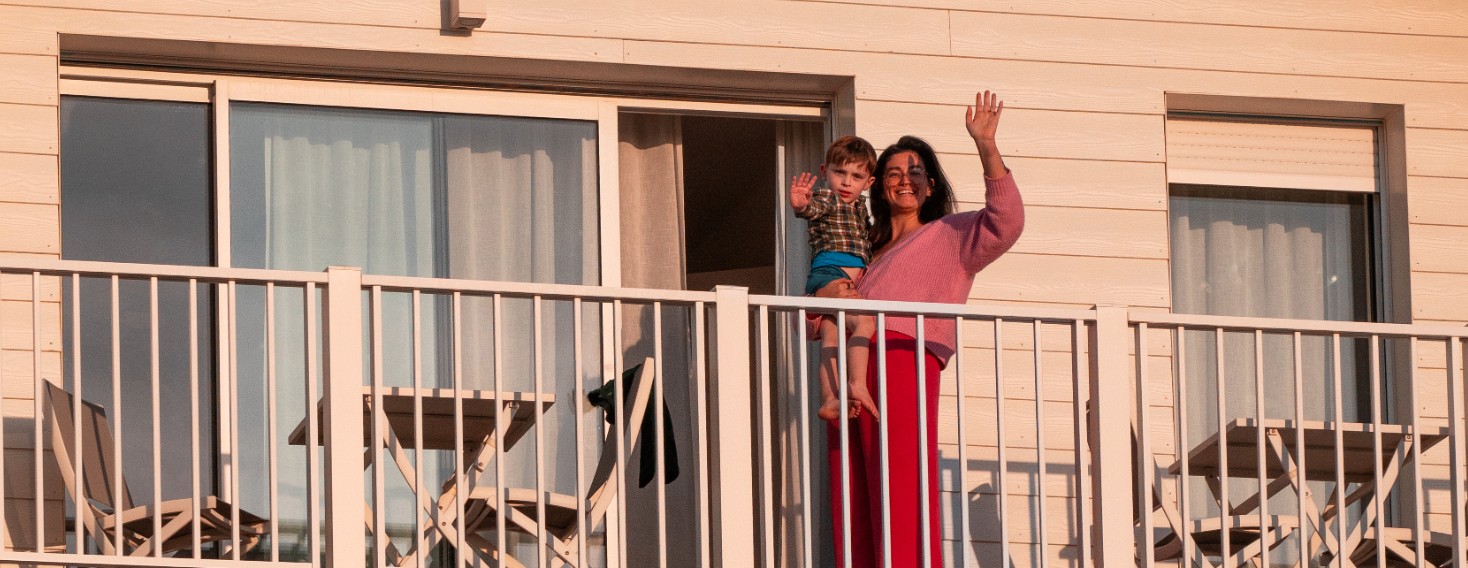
{"type": "Point", "coordinates": [905, 182]}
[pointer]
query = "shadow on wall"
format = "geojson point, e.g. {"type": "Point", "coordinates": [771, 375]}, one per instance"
{"type": "Point", "coordinates": [1023, 529]}
{"type": "Point", "coordinates": [19, 487]}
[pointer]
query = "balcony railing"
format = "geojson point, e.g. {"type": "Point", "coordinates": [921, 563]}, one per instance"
{"type": "Point", "coordinates": [194, 416]}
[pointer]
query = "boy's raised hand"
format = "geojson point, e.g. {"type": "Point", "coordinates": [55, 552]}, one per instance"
{"type": "Point", "coordinates": [800, 190]}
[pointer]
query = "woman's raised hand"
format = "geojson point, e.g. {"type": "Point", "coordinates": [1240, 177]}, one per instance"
{"type": "Point", "coordinates": [982, 119]}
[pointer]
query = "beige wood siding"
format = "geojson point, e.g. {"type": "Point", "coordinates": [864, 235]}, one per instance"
{"type": "Point", "coordinates": [1084, 85]}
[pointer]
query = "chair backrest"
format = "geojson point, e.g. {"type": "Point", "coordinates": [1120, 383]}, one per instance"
{"type": "Point", "coordinates": [97, 455]}
{"type": "Point", "coordinates": [603, 482]}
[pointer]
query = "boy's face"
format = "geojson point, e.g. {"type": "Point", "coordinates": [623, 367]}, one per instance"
{"type": "Point", "coordinates": [848, 180]}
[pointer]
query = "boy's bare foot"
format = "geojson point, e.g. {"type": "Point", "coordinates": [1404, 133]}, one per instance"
{"type": "Point", "coordinates": [830, 410]}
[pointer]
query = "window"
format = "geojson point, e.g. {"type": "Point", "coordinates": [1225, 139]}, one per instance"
{"type": "Point", "coordinates": [408, 181]}
{"type": "Point", "coordinates": [1279, 220]}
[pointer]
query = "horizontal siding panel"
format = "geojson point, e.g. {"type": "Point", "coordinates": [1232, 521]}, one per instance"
{"type": "Point", "coordinates": [16, 330]}
{"type": "Point", "coordinates": [21, 36]}
{"type": "Point", "coordinates": [373, 12]}
{"type": "Point", "coordinates": [1032, 84]}
{"type": "Point", "coordinates": [1094, 232]}
{"type": "Point", "coordinates": [17, 286]}
{"type": "Point", "coordinates": [1020, 527]}
{"type": "Point", "coordinates": [28, 129]}
{"type": "Point", "coordinates": [1066, 183]}
{"type": "Point", "coordinates": [325, 35]}
{"type": "Point", "coordinates": [20, 464]}
{"type": "Point", "coordinates": [1078, 279]}
{"type": "Point", "coordinates": [28, 79]}
{"type": "Point", "coordinates": [1439, 248]}
{"type": "Point", "coordinates": [983, 553]}
{"type": "Point", "coordinates": [16, 368]}
{"type": "Point", "coordinates": [1439, 296]}
{"type": "Point", "coordinates": [1442, 153]}
{"type": "Point", "coordinates": [1415, 17]}
{"type": "Point", "coordinates": [1019, 424]}
{"type": "Point", "coordinates": [29, 178]}
{"type": "Point", "coordinates": [1437, 201]}
{"type": "Point", "coordinates": [1058, 379]}
{"type": "Point", "coordinates": [1196, 46]}
{"type": "Point", "coordinates": [983, 464]}
{"type": "Point", "coordinates": [30, 227]}
{"type": "Point", "coordinates": [786, 24]}
{"type": "Point", "coordinates": [1024, 132]}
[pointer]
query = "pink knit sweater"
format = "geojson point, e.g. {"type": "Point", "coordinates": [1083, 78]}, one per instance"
{"type": "Point", "coordinates": [937, 262]}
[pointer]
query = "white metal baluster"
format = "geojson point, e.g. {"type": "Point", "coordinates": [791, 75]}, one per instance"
{"type": "Point", "coordinates": [764, 440]}
{"type": "Point", "coordinates": [579, 367]}
{"type": "Point", "coordinates": [271, 419]}
{"type": "Point", "coordinates": [1414, 399]}
{"type": "Point", "coordinates": [925, 503]}
{"type": "Point", "coordinates": [1181, 408]}
{"type": "Point", "coordinates": [116, 420]}
{"type": "Point", "coordinates": [964, 513]}
{"type": "Point", "coordinates": [499, 443]}
{"type": "Point", "coordinates": [422, 538]}
{"type": "Point", "coordinates": [1340, 453]}
{"type": "Point", "coordinates": [38, 401]}
{"type": "Point", "coordinates": [537, 362]}
{"type": "Point", "coordinates": [1220, 378]}
{"type": "Point", "coordinates": [886, 448]}
{"type": "Point", "coordinates": [806, 489]}
{"type": "Point", "coordinates": [1456, 433]}
{"type": "Point", "coordinates": [1040, 445]}
{"type": "Point", "coordinates": [700, 386]}
{"type": "Point", "coordinates": [845, 431]}
{"type": "Point", "coordinates": [1266, 540]}
{"type": "Point", "coordinates": [313, 469]}
{"type": "Point", "coordinates": [76, 491]}
{"type": "Point", "coordinates": [233, 334]}
{"type": "Point", "coordinates": [156, 415]}
{"type": "Point", "coordinates": [655, 443]}
{"type": "Point", "coordinates": [1082, 441]}
{"type": "Point", "coordinates": [1002, 486]}
{"type": "Point", "coordinates": [1376, 447]}
{"type": "Point", "coordinates": [194, 458]}
{"type": "Point", "coordinates": [80, 506]}
{"type": "Point", "coordinates": [619, 430]}
{"type": "Point", "coordinates": [1306, 549]}
{"type": "Point", "coordinates": [461, 549]}
{"type": "Point", "coordinates": [380, 541]}
{"type": "Point", "coordinates": [1144, 453]}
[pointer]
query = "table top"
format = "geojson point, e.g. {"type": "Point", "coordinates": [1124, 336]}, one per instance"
{"type": "Point", "coordinates": [1358, 440]}
{"type": "Point", "coordinates": [479, 410]}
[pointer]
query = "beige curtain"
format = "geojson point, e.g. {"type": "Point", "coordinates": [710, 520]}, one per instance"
{"type": "Point", "coordinates": [650, 154]}
{"type": "Point", "coordinates": [801, 147]}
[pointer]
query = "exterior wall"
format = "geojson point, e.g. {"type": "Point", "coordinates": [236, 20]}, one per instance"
{"type": "Point", "coordinates": [1083, 82]}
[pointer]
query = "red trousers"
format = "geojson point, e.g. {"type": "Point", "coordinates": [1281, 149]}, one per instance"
{"type": "Point", "coordinates": [905, 453]}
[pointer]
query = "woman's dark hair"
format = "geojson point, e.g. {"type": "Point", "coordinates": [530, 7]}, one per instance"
{"type": "Point", "coordinates": [939, 203]}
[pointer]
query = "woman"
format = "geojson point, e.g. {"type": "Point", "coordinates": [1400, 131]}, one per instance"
{"type": "Point", "coordinates": [923, 252]}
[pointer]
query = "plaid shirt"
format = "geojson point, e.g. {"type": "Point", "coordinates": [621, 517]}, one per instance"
{"type": "Point", "coordinates": [836, 225]}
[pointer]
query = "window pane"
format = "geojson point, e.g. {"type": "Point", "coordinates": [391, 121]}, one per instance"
{"type": "Point", "coordinates": [135, 187]}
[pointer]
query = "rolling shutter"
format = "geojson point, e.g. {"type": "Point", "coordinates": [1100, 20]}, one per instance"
{"type": "Point", "coordinates": [1252, 154]}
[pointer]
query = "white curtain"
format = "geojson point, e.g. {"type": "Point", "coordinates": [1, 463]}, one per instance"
{"type": "Point", "coordinates": [418, 194]}
{"type": "Point", "coordinates": [1236, 254]}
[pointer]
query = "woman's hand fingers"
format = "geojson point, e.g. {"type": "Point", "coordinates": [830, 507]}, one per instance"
{"type": "Point", "coordinates": [982, 119]}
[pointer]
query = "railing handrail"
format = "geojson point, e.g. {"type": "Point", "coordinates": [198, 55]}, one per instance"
{"type": "Point", "coordinates": [1284, 325]}
{"type": "Point", "coordinates": [527, 289]}
{"type": "Point", "coordinates": [899, 308]}
{"type": "Point", "coordinates": [129, 270]}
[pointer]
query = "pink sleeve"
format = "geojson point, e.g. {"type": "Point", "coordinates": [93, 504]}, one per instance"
{"type": "Point", "coordinates": [996, 227]}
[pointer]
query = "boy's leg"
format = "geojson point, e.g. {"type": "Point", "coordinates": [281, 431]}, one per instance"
{"type": "Point", "coordinates": [828, 372]}
{"type": "Point", "coordinates": [862, 328]}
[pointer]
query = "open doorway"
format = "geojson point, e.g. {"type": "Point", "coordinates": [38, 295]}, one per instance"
{"type": "Point", "coordinates": [730, 217]}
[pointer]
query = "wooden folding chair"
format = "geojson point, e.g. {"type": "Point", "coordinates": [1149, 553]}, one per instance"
{"type": "Point", "coordinates": [562, 523]}
{"type": "Point", "coordinates": [103, 506]}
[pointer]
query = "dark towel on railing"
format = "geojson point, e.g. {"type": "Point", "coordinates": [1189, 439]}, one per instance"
{"type": "Point", "coordinates": [604, 398]}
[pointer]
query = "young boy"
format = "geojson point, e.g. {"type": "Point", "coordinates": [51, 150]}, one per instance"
{"type": "Point", "coordinates": [838, 224]}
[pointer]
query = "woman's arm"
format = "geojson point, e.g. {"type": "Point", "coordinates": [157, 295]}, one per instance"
{"type": "Point", "coordinates": [982, 121]}
{"type": "Point", "coordinates": [996, 228]}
